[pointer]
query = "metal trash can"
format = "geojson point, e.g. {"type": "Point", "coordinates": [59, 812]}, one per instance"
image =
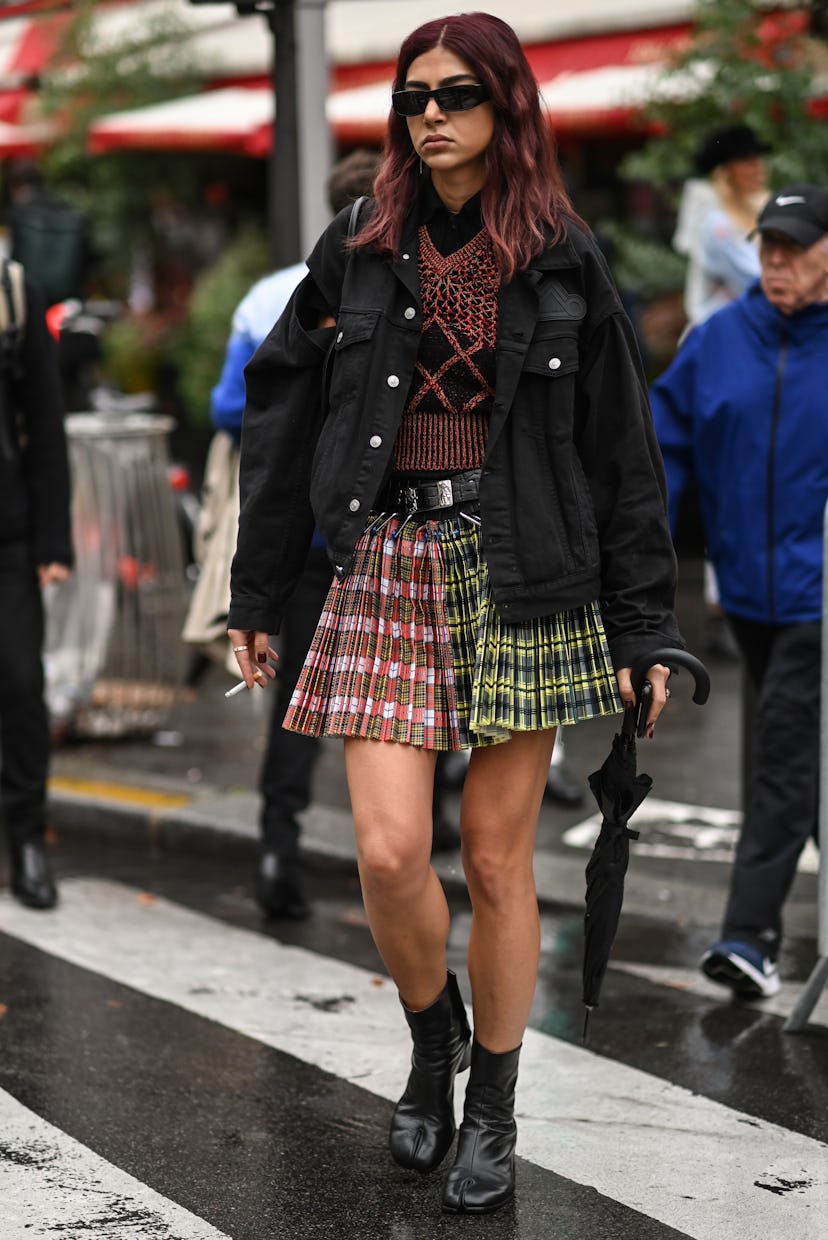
{"type": "Point", "coordinates": [113, 656]}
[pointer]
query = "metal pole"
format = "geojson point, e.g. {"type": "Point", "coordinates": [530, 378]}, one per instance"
{"type": "Point", "coordinates": [819, 975]}
{"type": "Point", "coordinates": [315, 145]}
{"type": "Point", "coordinates": [284, 188]}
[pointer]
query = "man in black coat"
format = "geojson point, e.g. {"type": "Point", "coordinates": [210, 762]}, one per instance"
{"type": "Point", "coordinates": [35, 549]}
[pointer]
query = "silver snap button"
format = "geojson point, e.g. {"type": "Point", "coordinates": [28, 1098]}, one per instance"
{"type": "Point", "coordinates": [554, 363]}
{"type": "Point", "coordinates": [339, 336]}
{"type": "Point", "coordinates": [354, 505]}
{"type": "Point", "coordinates": [392, 381]}
{"type": "Point", "coordinates": [406, 256]}
{"type": "Point", "coordinates": [410, 312]}
{"type": "Point", "coordinates": [375, 441]}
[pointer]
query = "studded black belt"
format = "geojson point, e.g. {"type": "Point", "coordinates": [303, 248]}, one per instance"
{"type": "Point", "coordinates": [409, 494]}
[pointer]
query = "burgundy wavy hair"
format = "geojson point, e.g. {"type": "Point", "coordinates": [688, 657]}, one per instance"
{"type": "Point", "coordinates": [524, 190]}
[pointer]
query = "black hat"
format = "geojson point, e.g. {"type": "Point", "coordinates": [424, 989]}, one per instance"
{"type": "Point", "coordinates": [798, 211]}
{"type": "Point", "coordinates": [724, 145]}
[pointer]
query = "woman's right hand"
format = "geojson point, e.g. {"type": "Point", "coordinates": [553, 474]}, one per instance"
{"type": "Point", "coordinates": [254, 655]}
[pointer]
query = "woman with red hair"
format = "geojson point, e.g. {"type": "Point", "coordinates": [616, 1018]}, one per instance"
{"type": "Point", "coordinates": [454, 395]}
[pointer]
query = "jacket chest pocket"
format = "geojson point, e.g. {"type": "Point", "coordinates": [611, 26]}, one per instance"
{"type": "Point", "coordinates": [552, 356]}
{"type": "Point", "coordinates": [550, 367]}
{"type": "Point", "coordinates": [347, 362]}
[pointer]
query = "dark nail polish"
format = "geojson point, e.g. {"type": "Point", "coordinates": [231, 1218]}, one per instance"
{"type": "Point", "coordinates": [261, 657]}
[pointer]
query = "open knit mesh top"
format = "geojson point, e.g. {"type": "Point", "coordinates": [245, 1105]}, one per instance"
{"type": "Point", "coordinates": [446, 417]}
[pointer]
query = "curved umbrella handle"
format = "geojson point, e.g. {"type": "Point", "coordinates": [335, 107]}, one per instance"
{"type": "Point", "coordinates": [674, 659]}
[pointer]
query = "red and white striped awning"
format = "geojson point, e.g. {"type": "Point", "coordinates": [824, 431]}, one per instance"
{"type": "Point", "coordinates": [26, 45]}
{"type": "Point", "coordinates": [24, 140]}
{"type": "Point", "coordinates": [587, 85]}
{"type": "Point", "coordinates": [234, 119]}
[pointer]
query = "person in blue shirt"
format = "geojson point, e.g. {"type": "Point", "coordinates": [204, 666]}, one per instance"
{"type": "Point", "coordinates": [742, 409]}
{"type": "Point", "coordinates": [252, 321]}
{"type": "Point", "coordinates": [287, 767]}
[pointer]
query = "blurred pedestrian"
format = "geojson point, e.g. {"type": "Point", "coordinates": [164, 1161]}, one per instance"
{"type": "Point", "coordinates": [289, 759]}
{"type": "Point", "coordinates": [715, 231]}
{"type": "Point", "coordinates": [742, 409]}
{"type": "Point", "coordinates": [35, 550]}
{"type": "Point", "coordinates": [498, 537]}
{"type": "Point", "coordinates": [715, 227]}
{"type": "Point", "coordinates": [48, 236]}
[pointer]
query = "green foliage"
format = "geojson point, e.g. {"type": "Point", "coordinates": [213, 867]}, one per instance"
{"type": "Point", "coordinates": [197, 348]}
{"type": "Point", "coordinates": [742, 64]}
{"type": "Point", "coordinates": [129, 357]}
{"type": "Point", "coordinates": [646, 268]}
{"type": "Point", "coordinates": [87, 80]}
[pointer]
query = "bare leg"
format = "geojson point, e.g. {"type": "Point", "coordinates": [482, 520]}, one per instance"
{"type": "Point", "coordinates": [391, 789]}
{"type": "Point", "coordinates": [502, 797]}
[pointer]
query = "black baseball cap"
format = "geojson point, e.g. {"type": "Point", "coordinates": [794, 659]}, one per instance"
{"type": "Point", "coordinates": [799, 211]}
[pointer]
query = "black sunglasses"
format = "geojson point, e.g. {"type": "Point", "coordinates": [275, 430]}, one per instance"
{"type": "Point", "coordinates": [448, 99]}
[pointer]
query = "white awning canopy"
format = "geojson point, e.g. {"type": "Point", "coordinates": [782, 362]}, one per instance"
{"type": "Point", "coordinates": [233, 119]}
{"type": "Point", "coordinates": [586, 85]}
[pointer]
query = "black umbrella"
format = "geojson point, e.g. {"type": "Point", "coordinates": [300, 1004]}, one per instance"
{"type": "Point", "coordinates": [619, 791]}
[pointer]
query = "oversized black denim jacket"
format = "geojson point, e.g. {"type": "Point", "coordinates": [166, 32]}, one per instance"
{"type": "Point", "coordinates": [572, 498]}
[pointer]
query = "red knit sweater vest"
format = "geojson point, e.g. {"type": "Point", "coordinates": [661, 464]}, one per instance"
{"type": "Point", "coordinates": [446, 417]}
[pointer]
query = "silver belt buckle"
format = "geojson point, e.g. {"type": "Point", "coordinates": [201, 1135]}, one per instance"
{"type": "Point", "coordinates": [445, 495]}
{"type": "Point", "coordinates": [409, 499]}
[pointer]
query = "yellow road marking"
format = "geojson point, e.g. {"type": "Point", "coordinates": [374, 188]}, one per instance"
{"type": "Point", "coordinates": [100, 789]}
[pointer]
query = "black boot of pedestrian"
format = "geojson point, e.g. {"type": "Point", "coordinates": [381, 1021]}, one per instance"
{"type": "Point", "coordinates": [31, 875]}
{"type": "Point", "coordinates": [279, 889]}
{"type": "Point", "coordinates": [423, 1127]}
{"type": "Point", "coordinates": [483, 1175]}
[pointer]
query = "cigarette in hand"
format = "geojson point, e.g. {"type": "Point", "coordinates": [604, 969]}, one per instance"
{"type": "Point", "coordinates": [242, 685]}
{"type": "Point", "coordinates": [236, 689]}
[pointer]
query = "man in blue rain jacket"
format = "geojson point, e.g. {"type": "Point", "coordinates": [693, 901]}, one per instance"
{"type": "Point", "coordinates": [744, 409]}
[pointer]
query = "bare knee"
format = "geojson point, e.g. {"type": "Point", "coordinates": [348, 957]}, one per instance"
{"type": "Point", "coordinates": [392, 856]}
{"type": "Point", "coordinates": [496, 876]}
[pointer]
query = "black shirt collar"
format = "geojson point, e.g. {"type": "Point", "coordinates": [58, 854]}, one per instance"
{"type": "Point", "coordinates": [449, 230]}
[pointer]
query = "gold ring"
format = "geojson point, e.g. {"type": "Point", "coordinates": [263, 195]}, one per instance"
{"type": "Point", "coordinates": [237, 649]}
{"type": "Point", "coordinates": [257, 672]}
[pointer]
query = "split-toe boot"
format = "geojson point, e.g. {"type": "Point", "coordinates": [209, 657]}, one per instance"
{"type": "Point", "coordinates": [483, 1175]}
{"type": "Point", "coordinates": [423, 1127]}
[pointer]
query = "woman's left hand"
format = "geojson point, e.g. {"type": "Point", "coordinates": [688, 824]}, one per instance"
{"type": "Point", "coordinates": [658, 675]}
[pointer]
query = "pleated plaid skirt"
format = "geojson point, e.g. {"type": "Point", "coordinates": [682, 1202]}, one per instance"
{"type": "Point", "coordinates": [410, 648]}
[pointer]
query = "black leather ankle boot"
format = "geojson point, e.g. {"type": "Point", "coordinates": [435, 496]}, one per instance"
{"type": "Point", "coordinates": [31, 875]}
{"type": "Point", "coordinates": [279, 891]}
{"type": "Point", "coordinates": [423, 1126]}
{"type": "Point", "coordinates": [483, 1175]}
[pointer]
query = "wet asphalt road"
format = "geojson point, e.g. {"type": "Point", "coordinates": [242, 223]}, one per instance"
{"type": "Point", "coordinates": [173, 1068]}
{"type": "Point", "coordinates": [259, 1144]}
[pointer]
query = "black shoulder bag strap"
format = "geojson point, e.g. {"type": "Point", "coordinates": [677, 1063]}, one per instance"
{"type": "Point", "coordinates": [353, 218]}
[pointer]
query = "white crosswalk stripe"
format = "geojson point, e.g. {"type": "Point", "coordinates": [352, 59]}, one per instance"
{"type": "Point", "coordinates": [682, 1159]}
{"type": "Point", "coordinates": [51, 1185]}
